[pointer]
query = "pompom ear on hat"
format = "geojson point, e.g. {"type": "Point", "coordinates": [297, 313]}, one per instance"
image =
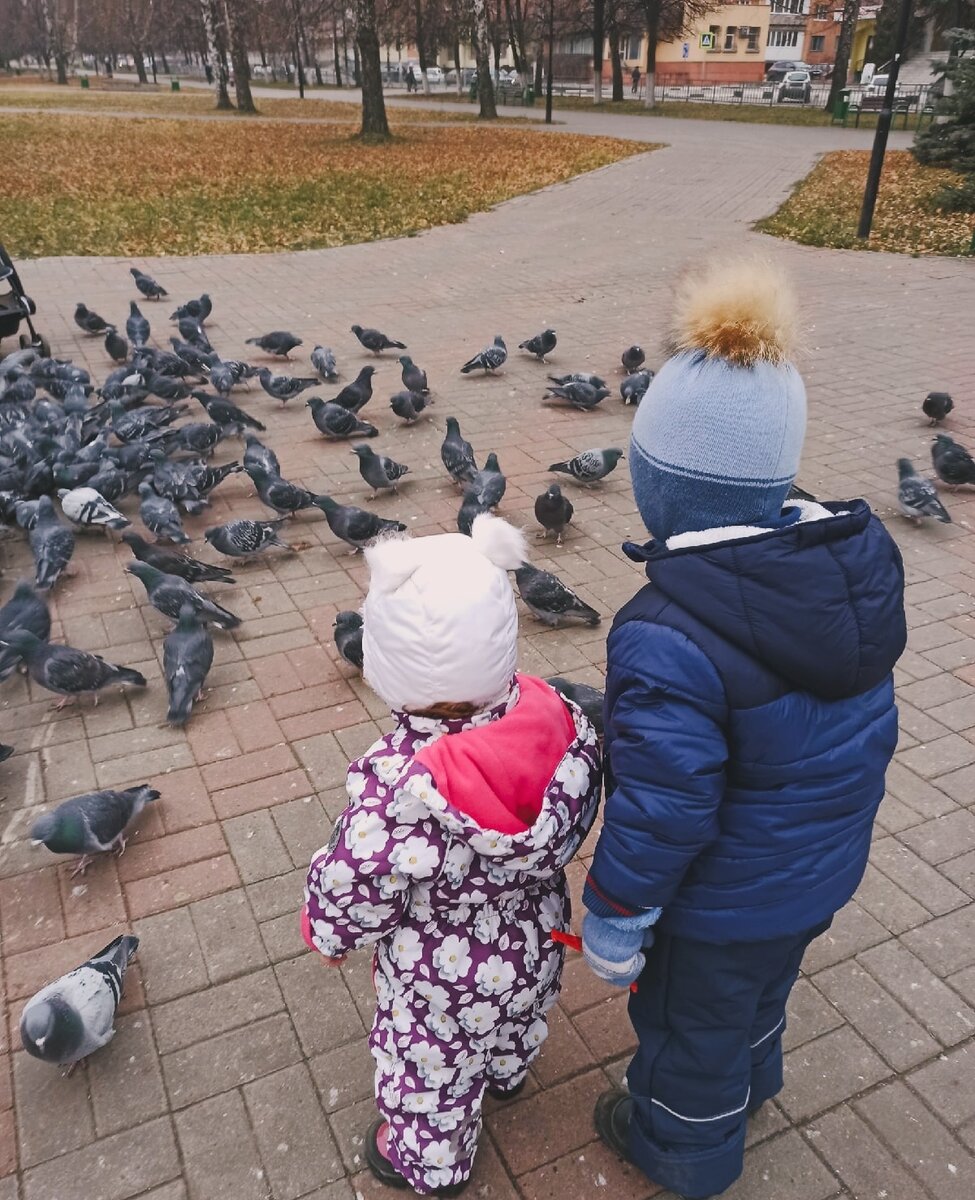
{"type": "Point", "coordinates": [718, 435]}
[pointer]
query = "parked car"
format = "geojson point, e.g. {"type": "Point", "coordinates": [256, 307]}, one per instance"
{"type": "Point", "coordinates": [877, 85]}
{"type": "Point", "coordinates": [434, 75]}
{"type": "Point", "coordinates": [797, 85]}
{"type": "Point", "coordinates": [777, 71]}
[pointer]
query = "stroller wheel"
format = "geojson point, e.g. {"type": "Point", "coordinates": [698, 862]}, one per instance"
{"type": "Point", "coordinates": [40, 343]}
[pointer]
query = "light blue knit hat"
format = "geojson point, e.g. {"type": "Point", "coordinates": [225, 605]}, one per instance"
{"type": "Point", "coordinates": [717, 438]}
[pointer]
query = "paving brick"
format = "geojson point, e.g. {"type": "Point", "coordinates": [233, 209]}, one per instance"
{"type": "Point", "coordinates": [202, 1015]}
{"type": "Point", "coordinates": [277, 897]}
{"type": "Point", "coordinates": [535, 1131]}
{"type": "Point", "coordinates": [782, 1166]}
{"type": "Point", "coordinates": [852, 930]}
{"type": "Point", "coordinates": [192, 807]}
{"type": "Point", "coordinates": [181, 885]}
{"type": "Point", "coordinates": [169, 953]}
{"type": "Point", "coordinates": [220, 1157]}
{"type": "Point", "coordinates": [124, 1077]}
{"type": "Point", "coordinates": [585, 1172]}
{"type": "Point", "coordinates": [256, 846]}
{"type": "Point", "coordinates": [30, 911]}
{"type": "Point", "coordinates": [349, 1125]}
{"type": "Point", "coordinates": [936, 1006]}
{"type": "Point", "coordinates": [961, 872]}
{"type": "Point", "coordinates": [859, 1158]}
{"type": "Point", "coordinates": [947, 943]}
{"type": "Point", "coordinates": [302, 825]}
{"type": "Point", "coordinates": [318, 1000]}
{"type": "Point", "coordinates": [564, 1053]}
{"type": "Point", "coordinates": [943, 837]}
{"type": "Point", "coordinates": [344, 1076]}
{"type": "Point", "coordinates": [917, 793]}
{"type": "Point", "coordinates": [606, 1028]}
{"type": "Point", "coordinates": [940, 756]}
{"type": "Point", "coordinates": [262, 793]}
{"type": "Point", "coordinates": [888, 903]}
{"type": "Point", "coordinates": [832, 1068]}
{"type": "Point", "coordinates": [808, 1015]}
{"type": "Point", "coordinates": [8, 1144]}
{"type": "Point", "coordinates": [174, 850]}
{"type": "Point", "coordinates": [93, 901]}
{"type": "Point", "coordinates": [229, 936]}
{"type": "Point", "coordinates": [916, 877]}
{"type": "Point", "coordinates": [946, 1085]}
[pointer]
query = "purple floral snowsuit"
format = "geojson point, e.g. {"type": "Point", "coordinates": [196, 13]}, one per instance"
{"type": "Point", "coordinates": [460, 913]}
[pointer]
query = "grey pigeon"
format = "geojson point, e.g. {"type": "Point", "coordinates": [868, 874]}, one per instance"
{"type": "Point", "coordinates": [408, 405]}
{"type": "Point", "coordinates": [355, 526]}
{"type": "Point", "coordinates": [284, 497]}
{"type": "Point", "coordinates": [591, 465]}
{"type": "Point", "coordinates": [471, 507]}
{"type": "Point", "coordinates": [222, 377]}
{"type": "Point", "coordinates": [917, 497]}
{"type": "Point", "coordinates": [256, 454]}
{"type": "Point", "coordinates": [136, 326]}
{"type": "Point", "coordinates": [191, 331]}
{"type": "Point", "coordinates": [147, 285]}
{"type": "Point", "coordinates": [414, 379]}
{"type": "Point", "coordinates": [166, 387]}
{"type": "Point", "coordinates": [116, 346]}
{"type": "Point", "coordinates": [74, 1016]}
{"type": "Point", "coordinates": [457, 454]}
{"type": "Point", "coordinates": [541, 344]}
{"type": "Point", "coordinates": [553, 512]}
{"type": "Point", "coordinates": [489, 484]}
{"type": "Point", "coordinates": [634, 387]}
{"type": "Point", "coordinates": [323, 360]}
{"type": "Point", "coordinates": [187, 658]}
{"type": "Point", "coordinates": [348, 637]}
{"type": "Point", "coordinates": [336, 422]}
{"type": "Point", "coordinates": [580, 395]}
{"type": "Point", "coordinates": [161, 516]}
{"type": "Point", "coordinates": [168, 593]}
{"type": "Point", "coordinates": [227, 414]}
{"type": "Point", "coordinates": [284, 387]}
{"type": "Point", "coordinates": [936, 406]}
{"type": "Point", "coordinates": [85, 507]}
{"type": "Point", "coordinates": [90, 321]}
{"type": "Point", "coordinates": [375, 341]}
{"type": "Point", "coordinates": [197, 310]}
{"type": "Point", "coordinates": [92, 824]}
{"type": "Point", "coordinates": [51, 543]}
{"type": "Point", "coordinates": [548, 598]}
{"type": "Point", "coordinates": [952, 463]}
{"type": "Point", "coordinates": [357, 394]}
{"type": "Point", "coordinates": [171, 562]}
{"type": "Point", "coordinates": [278, 343]}
{"type": "Point", "coordinates": [241, 539]}
{"type": "Point", "coordinates": [5, 752]}
{"type": "Point", "coordinates": [633, 359]}
{"type": "Point", "coordinates": [377, 470]}
{"type": "Point", "coordinates": [578, 377]}
{"type": "Point", "coordinates": [67, 671]}
{"type": "Point", "coordinates": [589, 699]}
{"type": "Point", "coordinates": [199, 437]}
{"type": "Point", "coordinates": [26, 609]}
{"type": "Point", "coordinates": [490, 359]}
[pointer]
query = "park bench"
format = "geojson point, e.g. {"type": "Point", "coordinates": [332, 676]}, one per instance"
{"type": "Point", "coordinates": [858, 105]}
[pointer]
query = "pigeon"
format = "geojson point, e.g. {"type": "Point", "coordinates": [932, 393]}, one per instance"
{"type": "Point", "coordinates": [171, 562]}
{"type": "Point", "coordinates": [5, 752]}
{"type": "Point", "coordinates": [191, 331]}
{"type": "Point", "coordinates": [90, 321]}
{"type": "Point", "coordinates": [279, 343]}
{"type": "Point", "coordinates": [161, 516]}
{"type": "Point", "coordinates": [83, 506]}
{"type": "Point", "coordinates": [457, 454]}
{"type": "Point", "coordinates": [589, 699]}
{"type": "Point", "coordinates": [227, 414]}
{"type": "Point", "coordinates": [548, 598]}
{"type": "Point", "coordinates": [541, 344]}
{"type": "Point", "coordinates": [357, 394]}
{"type": "Point", "coordinates": [196, 310]}
{"type": "Point", "coordinates": [199, 437]}
{"type": "Point", "coordinates": [348, 637]}
{"type": "Point", "coordinates": [147, 285]}
{"type": "Point", "coordinates": [471, 507]}
{"type": "Point", "coordinates": [377, 470]}
{"type": "Point", "coordinates": [136, 326]}
{"type": "Point", "coordinates": [284, 497]}
{"type": "Point", "coordinates": [117, 346]}
{"type": "Point", "coordinates": [283, 387]}
{"type": "Point", "coordinates": [142, 422]}
{"type": "Point", "coordinates": [222, 377]}
{"type": "Point", "coordinates": [257, 454]}
{"type": "Point", "coordinates": [952, 463]}
{"type": "Point", "coordinates": [375, 341]}
{"type": "Point", "coordinates": [490, 359]}
{"type": "Point", "coordinates": [408, 405]}
{"type": "Point", "coordinates": [634, 387]}
{"type": "Point", "coordinates": [578, 377]}
{"type": "Point", "coordinates": [489, 484]}
{"type": "Point", "coordinates": [936, 406]}
{"type": "Point", "coordinates": [336, 422]}
{"type": "Point", "coordinates": [92, 824]}
{"type": "Point", "coordinates": [51, 543]}
{"type": "Point", "coordinates": [26, 609]}
{"type": "Point", "coordinates": [166, 387]}
{"type": "Point", "coordinates": [580, 395]}
{"type": "Point", "coordinates": [590, 466]}
{"type": "Point", "coordinates": [168, 593]}
{"type": "Point", "coordinates": [553, 512]}
{"type": "Point", "coordinates": [323, 360]}
{"type": "Point", "coordinates": [355, 526]}
{"type": "Point", "coordinates": [633, 359]}
{"type": "Point", "coordinates": [917, 497]}
{"type": "Point", "coordinates": [241, 539]}
{"type": "Point", "coordinates": [67, 671]}
{"type": "Point", "coordinates": [74, 1016]}
{"type": "Point", "coordinates": [187, 658]}
{"type": "Point", "coordinates": [414, 379]}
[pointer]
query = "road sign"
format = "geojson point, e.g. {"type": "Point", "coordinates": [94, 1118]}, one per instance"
{"type": "Point", "coordinates": [685, 50]}
{"type": "Point", "coordinates": [706, 41]}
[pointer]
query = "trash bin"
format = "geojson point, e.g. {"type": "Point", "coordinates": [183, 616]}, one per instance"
{"type": "Point", "coordinates": [473, 90]}
{"type": "Point", "coordinates": [84, 81]}
{"type": "Point", "coordinates": [841, 105]}
{"type": "Point", "coordinates": [174, 85]}
{"type": "Point", "coordinates": [528, 95]}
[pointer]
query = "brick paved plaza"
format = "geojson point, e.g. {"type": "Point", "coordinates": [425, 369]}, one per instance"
{"type": "Point", "coordinates": [240, 1069]}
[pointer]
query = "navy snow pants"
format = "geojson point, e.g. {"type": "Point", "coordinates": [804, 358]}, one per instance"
{"type": "Point", "coordinates": [710, 1020]}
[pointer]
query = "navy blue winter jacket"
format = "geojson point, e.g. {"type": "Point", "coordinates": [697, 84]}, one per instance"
{"type": "Point", "coordinates": [750, 719]}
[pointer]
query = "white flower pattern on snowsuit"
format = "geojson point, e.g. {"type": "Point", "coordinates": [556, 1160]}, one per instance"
{"type": "Point", "coordinates": [461, 918]}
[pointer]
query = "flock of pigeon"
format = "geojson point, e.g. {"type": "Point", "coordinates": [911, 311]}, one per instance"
{"type": "Point", "coordinates": [71, 452]}
{"type": "Point", "coordinates": [917, 497]}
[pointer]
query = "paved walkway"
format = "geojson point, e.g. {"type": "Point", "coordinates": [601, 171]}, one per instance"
{"type": "Point", "coordinates": [240, 1068]}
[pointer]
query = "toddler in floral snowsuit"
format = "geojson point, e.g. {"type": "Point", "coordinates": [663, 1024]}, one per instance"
{"type": "Point", "coordinates": [450, 856]}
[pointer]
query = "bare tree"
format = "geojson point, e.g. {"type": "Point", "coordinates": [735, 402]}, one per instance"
{"type": "Point", "coordinates": [482, 43]}
{"type": "Point", "coordinates": [666, 21]}
{"type": "Point", "coordinates": [375, 126]}
{"type": "Point", "coordinates": [841, 68]}
{"type": "Point", "coordinates": [216, 51]}
{"type": "Point", "coordinates": [237, 34]}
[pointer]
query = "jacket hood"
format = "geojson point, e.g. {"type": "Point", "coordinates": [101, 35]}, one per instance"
{"type": "Point", "coordinates": [819, 602]}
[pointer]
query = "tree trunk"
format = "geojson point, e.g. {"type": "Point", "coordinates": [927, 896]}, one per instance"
{"type": "Point", "coordinates": [375, 127]}
{"type": "Point", "coordinates": [652, 10]}
{"type": "Point", "coordinates": [140, 64]}
{"type": "Point", "coordinates": [165, 63]}
{"type": "Point", "coordinates": [62, 64]}
{"type": "Point", "coordinates": [335, 49]}
{"type": "Point", "coordinates": [421, 46]}
{"type": "Point", "coordinates": [538, 69]}
{"type": "Point", "coordinates": [851, 12]}
{"type": "Point", "coordinates": [485, 86]}
{"type": "Point", "coordinates": [460, 85]}
{"type": "Point", "coordinates": [237, 36]}
{"type": "Point", "coordinates": [614, 55]}
{"type": "Point", "coordinates": [208, 11]}
{"type": "Point", "coordinates": [598, 37]}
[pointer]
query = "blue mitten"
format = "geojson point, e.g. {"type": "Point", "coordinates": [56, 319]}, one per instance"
{"type": "Point", "coordinates": [613, 945]}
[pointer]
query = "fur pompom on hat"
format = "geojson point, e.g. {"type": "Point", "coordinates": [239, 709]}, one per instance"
{"type": "Point", "coordinates": [717, 438]}
{"type": "Point", "coordinates": [439, 620]}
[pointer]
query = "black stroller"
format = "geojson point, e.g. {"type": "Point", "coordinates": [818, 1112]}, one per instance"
{"type": "Point", "coordinates": [17, 306]}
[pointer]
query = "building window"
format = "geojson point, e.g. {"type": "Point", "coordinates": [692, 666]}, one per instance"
{"type": "Point", "coordinates": [788, 6]}
{"type": "Point", "coordinates": [731, 37]}
{"type": "Point", "coordinates": [822, 12]}
{"type": "Point", "coordinates": [580, 45]}
{"type": "Point", "coordinates": [633, 47]}
{"type": "Point", "coordinates": [818, 43]}
{"type": "Point", "coordinates": [715, 31]}
{"type": "Point", "coordinates": [783, 37]}
{"type": "Point", "coordinates": [749, 34]}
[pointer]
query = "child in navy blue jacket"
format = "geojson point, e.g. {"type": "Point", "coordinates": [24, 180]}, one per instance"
{"type": "Point", "coordinates": [750, 719]}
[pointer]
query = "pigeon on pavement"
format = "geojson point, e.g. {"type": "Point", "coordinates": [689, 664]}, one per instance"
{"type": "Point", "coordinates": [147, 285]}
{"type": "Point", "coordinates": [550, 600]}
{"type": "Point", "coordinates": [83, 506]}
{"type": "Point", "coordinates": [580, 395]}
{"type": "Point", "coordinates": [377, 470]}
{"type": "Point", "coordinates": [936, 406]}
{"type": "Point", "coordinates": [168, 593]}
{"type": "Point", "coordinates": [490, 359]}
{"type": "Point", "coordinates": [74, 1016]}
{"type": "Point", "coordinates": [187, 658]}
{"type": "Point", "coordinates": [375, 341]}
{"type": "Point", "coordinates": [633, 358]}
{"type": "Point", "coordinates": [489, 484]}
{"type": "Point", "coordinates": [457, 454]}
{"type": "Point", "coordinates": [196, 310]}
{"type": "Point", "coordinates": [336, 422]}
{"type": "Point", "coordinates": [323, 360]}
{"type": "Point", "coordinates": [357, 394]}
{"type": "Point", "coordinates": [227, 414]}
{"type": "Point", "coordinates": [634, 387]}
{"type": "Point", "coordinates": [116, 346]}
{"type": "Point", "coordinates": [414, 379]}
{"type": "Point", "coordinates": [408, 405]}
{"type": "Point", "coordinates": [553, 512]}
{"type": "Point", "coordinates": [90, 321]}
{"type": "Point", "coordinates": [471, 507]}
{"type": "Point", "coordinates": [199, 437]}
{"type": "Point", "coordinates": [284, 497]}
{"type": "Point", "coordinates": [589, 699]}
{"type": "Point", "coordinates": [348, 637]}
{"type": "Point", "coordinates": [136, 326]}
{"type": "Point", "coordinates": [578, 377]}
{"type": "Point", "coordinates": [161, 516]}
{"type": "Point", "coordinates": [242, 538]}
{"type": "Point", "coordinates": [952, 463]}
{"type": "Point", "coordinates": [67, 671]}
{"type": "Point", "coordinates": [278, 343]}
{"type": "Point", "coordinates": [917, 497]}
{"type": "Point", "coordinates": [26, 609]}
{"type": "Point", "coordinates": [191, 331]}
{"type": "Point", "coordinates": [92, 824]}
{"type": "Point", "coordinates": [284, 387]}
{"type": "Point", "coordinates": [51, 543]}
{"type": "Point", "coordinates": [590, 466]}
{"type": "Point", "coordinates": [355, 526]}
{"type": "Point", "coordinates": [171, 562]}
{"type": "Point", "coordinates": [541, 344]}
{"type": "Point", "coordinates": [257, 454]}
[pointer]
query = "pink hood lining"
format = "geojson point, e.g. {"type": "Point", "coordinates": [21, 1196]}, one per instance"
{"type": "Point", "coordinates": [498, 774]}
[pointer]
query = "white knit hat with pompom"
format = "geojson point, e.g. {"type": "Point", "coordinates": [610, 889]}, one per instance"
{"type": "Point", "coordinates": [439, 620]}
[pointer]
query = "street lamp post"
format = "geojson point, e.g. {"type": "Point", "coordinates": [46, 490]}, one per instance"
{"type": "Point", "coordinates": [548, 80]}
{"type": "Point", "coordinates": [883, 125]}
